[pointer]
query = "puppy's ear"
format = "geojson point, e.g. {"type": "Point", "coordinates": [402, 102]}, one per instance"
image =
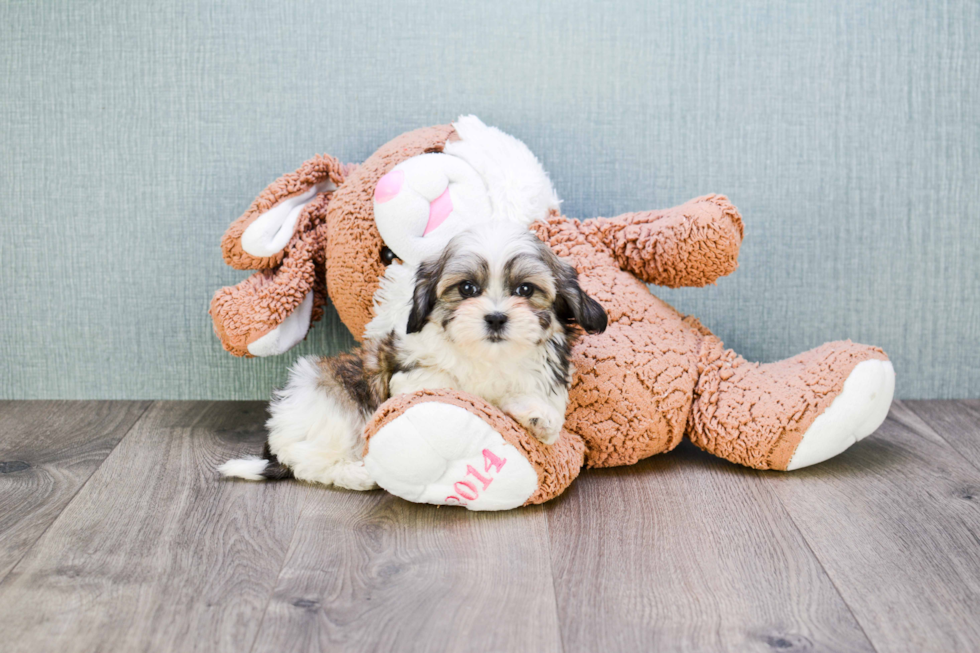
{"type": "Point", "coordinates": [572, 305]}
{"type": "Point", "coordinates": [425, 295]}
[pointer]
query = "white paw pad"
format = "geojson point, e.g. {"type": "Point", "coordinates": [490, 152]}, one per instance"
{"type": "Point", "coordinates": [856, 413]}
{"type": "Point", "coordinates": [443, 454]}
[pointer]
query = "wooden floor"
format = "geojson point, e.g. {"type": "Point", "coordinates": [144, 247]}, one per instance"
{"type": "Point", "coordinates": [116, 535]}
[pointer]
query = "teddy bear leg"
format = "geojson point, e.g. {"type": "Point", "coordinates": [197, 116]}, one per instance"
{"type": "Point", "coordinates": [792, 413]}
{"type": "Point", "coordinates": [448, 448]}
{"type": "Point", "coordinates": [854, 414]}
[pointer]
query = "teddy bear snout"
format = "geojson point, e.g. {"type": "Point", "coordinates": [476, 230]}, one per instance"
{"type": "Point", "coordinates": [424, 201]}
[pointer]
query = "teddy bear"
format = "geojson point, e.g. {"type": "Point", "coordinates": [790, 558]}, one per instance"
{"type": "Point", "coordinates": [354, 234]}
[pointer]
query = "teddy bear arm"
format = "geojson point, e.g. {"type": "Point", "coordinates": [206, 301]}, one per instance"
{"type": "Point", "coordinates": [693, 244]}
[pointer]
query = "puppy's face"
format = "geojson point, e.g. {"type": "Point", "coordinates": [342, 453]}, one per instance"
{"type": "Point", "coordinates": [498, 290]}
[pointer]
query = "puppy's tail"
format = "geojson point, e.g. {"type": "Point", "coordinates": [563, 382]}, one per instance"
{"type": "Point", "coordinates": [253, 468]}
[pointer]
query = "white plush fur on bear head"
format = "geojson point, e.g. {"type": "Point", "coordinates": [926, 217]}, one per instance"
{"type": "Point", "coordinates": [482, 176]}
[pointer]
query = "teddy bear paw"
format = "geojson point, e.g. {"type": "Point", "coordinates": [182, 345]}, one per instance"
{"type": "Point", "coordinates": [855, 413]}
{"type": "Point", "coordinates": [443, 454]}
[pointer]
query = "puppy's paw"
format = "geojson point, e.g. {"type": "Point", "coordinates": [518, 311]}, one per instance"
{"type": "Point", "coordinates": [354, 476]}
{"type": "Point", "coordinates": [540, 419]}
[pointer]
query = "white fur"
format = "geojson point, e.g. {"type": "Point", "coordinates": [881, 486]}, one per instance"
{"type": "Point", "coordinates": [519, 188]}
{"type": "Point", "coordinates": [499, 380]}
{"type": "Point", "coordinates": [392, 301]}
{"type": "Point", "coordinates": [250, 468]}
{"type": "Point", "coordinates": [317, 435]}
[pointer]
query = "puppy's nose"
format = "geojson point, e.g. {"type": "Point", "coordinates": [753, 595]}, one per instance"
{"type": "Point", "coordinates": [495, 321]}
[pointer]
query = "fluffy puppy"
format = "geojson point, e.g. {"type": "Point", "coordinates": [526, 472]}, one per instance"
{"type": "Point", "coordinates": [494, 315]}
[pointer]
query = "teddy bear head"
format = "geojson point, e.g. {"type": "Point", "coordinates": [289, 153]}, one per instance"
{"type": "Point", "coordinates": [357, 232]}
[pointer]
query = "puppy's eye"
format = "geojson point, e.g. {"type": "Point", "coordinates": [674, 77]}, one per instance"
{"type": "Point", "coordinates": [469, 289]}
{"type": "Point", "coordinates": [524, 290]}
{"type": "Point", "coordinates": [387, 256]}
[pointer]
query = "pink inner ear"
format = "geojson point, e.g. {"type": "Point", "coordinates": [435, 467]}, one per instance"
{"type": "Point", "coordinates": [439, 210]}
{"type": "Point", "coordinates": [389, 186]}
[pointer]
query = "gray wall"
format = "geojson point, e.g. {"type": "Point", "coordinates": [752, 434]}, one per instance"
{"type": "Point", "coordinates": [132, 133]}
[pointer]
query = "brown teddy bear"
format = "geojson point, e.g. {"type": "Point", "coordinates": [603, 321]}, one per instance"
{"type": "Point", "coordinates": [652, 378]}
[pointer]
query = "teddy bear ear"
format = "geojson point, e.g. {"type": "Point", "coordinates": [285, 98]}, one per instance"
{"type": "Point", "coordinates": [246, 328]}
{"type": "Point", "coordinates": [258, 239]}
{"type": "Point", "coordinates": [272, 310]}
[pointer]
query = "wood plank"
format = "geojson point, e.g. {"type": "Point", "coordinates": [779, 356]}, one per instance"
{"type": "Point", "coordinates": [48, 450]}
{"type": "Point", "coordinates": [155, 552]}
{"type": "Point", "coordinates": [686, 552]}
{"type": "Point", "coordinates": [894, 521]}
{"type": "Point", "coordinates": [956, 422]}
{"type": "Point", "coordinates": [370, 572]}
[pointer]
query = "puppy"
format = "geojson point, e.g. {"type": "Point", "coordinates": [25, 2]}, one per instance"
{"type": "Point", "coordinates": [494, 315]}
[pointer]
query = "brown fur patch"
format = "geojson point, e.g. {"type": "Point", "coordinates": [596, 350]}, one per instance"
{"type": "Point", "coordinates": [363, 376]}
{"type": "Point", "coordinates": [381, 362]}
{"type": "Point", "coordinates": [345, 372]}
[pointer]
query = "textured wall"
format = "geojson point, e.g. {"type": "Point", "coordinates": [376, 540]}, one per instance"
{"type": "Point", "coordinates": [132, 133]}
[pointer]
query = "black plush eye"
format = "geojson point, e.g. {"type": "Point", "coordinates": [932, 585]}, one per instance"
{"type": "Point", "coordinates": [469, 289]}
{"type": "Point", "coordinates": [387, 256]}
{"type": "Point", "coordinates": [524, 290]}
